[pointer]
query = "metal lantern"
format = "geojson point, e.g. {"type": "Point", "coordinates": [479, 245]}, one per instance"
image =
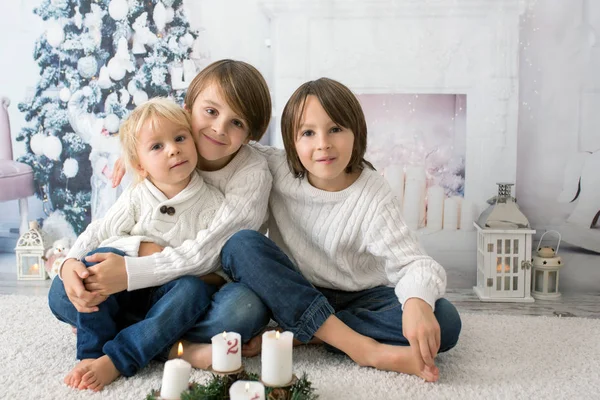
{"type": "Point", "coordinates": [546, 265]}
{"type": "Point", "coordinates": [503, 251]}
{"type": "Point", "coordinates": [30, 253]}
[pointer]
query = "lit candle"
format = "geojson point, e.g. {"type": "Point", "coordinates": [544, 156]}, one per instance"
{"type": "Point", "coordinates": [176, 377]}
{"type": "Point", "coordinates": [226, 352]}
{"type": "Point", "coordinates": [247, 390]}
{"type": "Point", "coordinates": [276, 358]}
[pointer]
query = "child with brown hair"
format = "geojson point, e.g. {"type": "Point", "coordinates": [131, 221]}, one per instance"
{"type": "Point", "coordinates": [342, 266]}
{"type": "Point", "coordinates": [230, 105]}
{"type": "Point", "coordinates": [169, 204]}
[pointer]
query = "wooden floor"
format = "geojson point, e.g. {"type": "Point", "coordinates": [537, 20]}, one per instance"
{"type": "Point", "coordinates": [584, 305]}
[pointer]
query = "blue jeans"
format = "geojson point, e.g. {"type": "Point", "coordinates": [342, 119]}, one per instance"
{"type": "Point", "coordinates": [134, 327]}
{"type": "Point", "coordinates": [254, 260]}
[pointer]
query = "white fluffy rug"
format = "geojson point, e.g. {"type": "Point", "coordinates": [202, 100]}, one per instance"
{"type": "Point", "coordinates": [502, 357]}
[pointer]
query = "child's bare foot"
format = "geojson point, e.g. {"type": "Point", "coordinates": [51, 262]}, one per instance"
{"type": "Point", "coordinates": [73, 378]}
{"type": "Point", "coordinates": [253, 347]}
{"type": "Point", "coordinates": [101, 372]}
{"type": "Point", "coordinates": [398, 359]}
{"type": "Point", "coordinates": [197, 354]}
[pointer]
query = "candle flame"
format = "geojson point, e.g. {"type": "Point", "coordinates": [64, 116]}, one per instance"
{"type": "Point", "coordinates": [277, 335]}
{"type": "Point", "coordinates": [247, 387]}
{"type": "Point", "coordinates": [179, 350]}
{"type": "Point", "coordinates": [225, 335]}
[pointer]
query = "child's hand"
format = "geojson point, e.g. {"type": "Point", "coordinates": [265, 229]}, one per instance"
{"type": "Point", "coordinates": [149, 248]}
{"type": "Point", "coordinates": [73, 274]}
{"type": "Point", "coordinates": [107, 277]}
{"type": "Point", "coordinates": [118, 172]}
{"type": "Point", "coordinates": [422, 329]}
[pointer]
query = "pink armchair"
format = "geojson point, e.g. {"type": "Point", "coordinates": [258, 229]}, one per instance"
{"type": "Point", "coordinates": [16, 179]}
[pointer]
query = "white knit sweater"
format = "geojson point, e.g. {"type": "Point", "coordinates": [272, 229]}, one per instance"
{"type": "Point", "coordinates": [245, 182]}
{"type": "Point", "coordinates": [137, 217]}
{"type": "Point", "coordinates": [349, 240]}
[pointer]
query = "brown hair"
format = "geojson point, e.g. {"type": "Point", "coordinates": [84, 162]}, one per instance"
{"type": "Point", "coordinates": [244, 89]}
{"type": "Point", "coordinates": [343, 108]}
{"type": "Point", "coordinates": [153, 110]}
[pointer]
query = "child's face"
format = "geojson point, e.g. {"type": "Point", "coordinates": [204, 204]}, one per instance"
{"type": "Point", "coordinates": [218, 131]}
{"type": "Point", "coordinates": [324, 148]}
{"type": "Point", "coordinates": [166, 155]}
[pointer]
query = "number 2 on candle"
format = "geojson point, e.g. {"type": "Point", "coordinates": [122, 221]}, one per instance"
{"type": "Point", "coordinates": [233, 346]}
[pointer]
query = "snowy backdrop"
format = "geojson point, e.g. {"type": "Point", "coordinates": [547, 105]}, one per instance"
{"type": "Point", "coordinates": [557, 140]}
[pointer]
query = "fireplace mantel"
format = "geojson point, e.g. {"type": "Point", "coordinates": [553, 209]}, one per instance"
{"type": "Point", "coordinates": [466, 47]}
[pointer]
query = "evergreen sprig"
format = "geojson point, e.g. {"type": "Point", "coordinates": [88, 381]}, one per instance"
{"type": "Point", "coordinates": [217, 388]}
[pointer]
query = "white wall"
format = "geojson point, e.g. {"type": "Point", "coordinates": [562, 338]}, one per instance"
{"type": "Point", "coordinates": [559, 66]}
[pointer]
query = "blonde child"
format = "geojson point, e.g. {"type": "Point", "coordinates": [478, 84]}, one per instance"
{"type": "Point", "coordinates": [169, 204]}
{"type": "Point", "coordinates": [347, 271]}
{"type": "Point", "coordinates": [230, 105]}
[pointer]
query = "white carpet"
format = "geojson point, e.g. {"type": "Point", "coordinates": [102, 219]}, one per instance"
{"type": "Point", "coordinates": [502, 357]}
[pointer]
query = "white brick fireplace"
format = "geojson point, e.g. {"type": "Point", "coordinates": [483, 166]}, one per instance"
{"type": "Point", "coordinates": [467, 47]}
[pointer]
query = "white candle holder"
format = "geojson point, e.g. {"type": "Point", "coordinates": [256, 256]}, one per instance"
{"type": "Point", "coordinates": [546, 266]}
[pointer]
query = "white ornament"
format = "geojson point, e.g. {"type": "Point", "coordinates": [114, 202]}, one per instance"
{"type": "Point", "coordinates": [84, 123]}
{"type": "Point", "coordinates": [64, 94]}
{"type": "Point", "coordinates": [118, 9]}
{"type": "Point", "coordinates": [172, 44]}
{"type": "Point", "coordinates": [87, 67]}
{"type": "Point", "coordinates": [37, 143]}
{"type": "Point", "coordinates": [140, 97]}
{"type": "Point", "coordinates": [116, 70]}
{"type": "Point", "coordinates": [77, 18]}
{"type": "Point", "coordinates": [70, 167]}
{"type": "Point", "coordinates": [55, 34]}
{"type": "Point", "coordinates": [160, 16]}
{"type": "Point", "coordinates": [111, 123]}
{"type": "Point", "coordinates": [125, 97]}
{"type": "Point", "coordinates": [186, 40]}
{"type": "Point", "coordinates": [87, 91]}
{"type": "Point", "coordinates": [169, 15]}
{"type": "Point", "coordinates": [52, 147]}
{"type": "Point", "coordinates": [138, 44]}
{"type": "Point", "coordinates": [132, 87]}
{"type": "Point", "coordinates": [104, 81]}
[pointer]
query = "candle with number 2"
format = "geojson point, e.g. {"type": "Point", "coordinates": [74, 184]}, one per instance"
{"type": "Point", "coordinates": [226, 352]}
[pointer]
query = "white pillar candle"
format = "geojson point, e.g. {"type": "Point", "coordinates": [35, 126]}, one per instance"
{"type": "Point", "coordinates": [414, 196]}
{"type": "Point", "coordinates": [450, 214]}
{"type": "Point", "coordinates": [176, 377]}
{"type": "Point", "coordinates": [458, 200]}
{"type": "Point", "coordinates": [394, 175]}
{"type": "Point", "coordinates": [276, 358]}
{"type": "Point", "coordinates": [467, 215]}
{"type": "Point", "coordinates": [226, 352]}
{"type": "Point", "coordinates": [247, 390]}
{"type": "Point", "coordinates": [435, 208]}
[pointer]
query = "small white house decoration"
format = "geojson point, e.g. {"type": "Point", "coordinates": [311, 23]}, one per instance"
{"type": "Point", "coordinates": [546, 265]}
{"type": "Point", "coordinates": [30, 253]}
{"type": "Point", "coordinates": [503, 251]}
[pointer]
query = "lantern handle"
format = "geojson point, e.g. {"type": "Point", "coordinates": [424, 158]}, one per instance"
{"type": "Point", "coordinates": [559, 239]}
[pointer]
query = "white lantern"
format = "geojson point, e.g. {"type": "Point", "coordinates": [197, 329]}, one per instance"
{"type": "Point", "coordinates": [503, 251]}
{"type": "Point", "coordinates": [546, 265]}
{"type": "Point", "coordinates": [30, 253]}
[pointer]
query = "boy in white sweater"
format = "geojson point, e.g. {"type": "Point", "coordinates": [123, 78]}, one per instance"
{"type": "Point", "coordinates": [347, 271]}
{"type": "Point", "coordinates": [169, 204]}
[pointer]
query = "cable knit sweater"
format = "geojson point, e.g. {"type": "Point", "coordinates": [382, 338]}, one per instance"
{"type": "Point", "coordinates": [245, 183]}
{"type": "Point", "coordinates": [137, 216]}
{"type": "Point", "coordinates": [349, 240]}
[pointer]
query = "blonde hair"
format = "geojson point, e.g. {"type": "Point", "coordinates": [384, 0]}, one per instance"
{"type": "Point", "coordinates": [153, 110]}
{"type": "Point", "coordinates": [343, 108]}
{"type": "Point", "coordinates": [243, 88]}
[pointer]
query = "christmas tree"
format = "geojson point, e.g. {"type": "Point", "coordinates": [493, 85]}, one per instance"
{"type": "Point", "coordinates": [98, 59]}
